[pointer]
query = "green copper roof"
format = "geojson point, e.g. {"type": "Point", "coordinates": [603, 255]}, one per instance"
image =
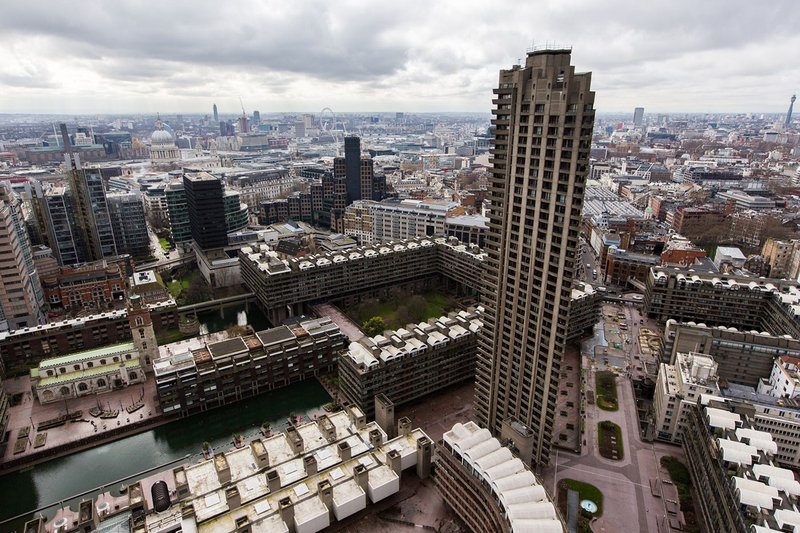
{"type": "Point", "coordinates": [110, 350]}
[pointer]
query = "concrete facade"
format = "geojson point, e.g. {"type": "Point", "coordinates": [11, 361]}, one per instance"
{"type": "Point", "coordinates": [543, 122]}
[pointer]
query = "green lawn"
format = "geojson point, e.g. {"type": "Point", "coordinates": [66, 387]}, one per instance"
{"type": "Point", "coordinates": [679, 475]}
{"type": "Point", "coordinates": [165, 245]}
{"type": "Point", "coordinates": [585, 491]}
{"type": "Point", "coordinates": [436, 305]}
{"type": "Point", "coordinates": [168, 336]}
{"type": "Point", "coordinates": [607, 432]}
{"type": "Point", "coordinates": [606, 385]}
{"type": "Point", "coordinates": [176, 286]}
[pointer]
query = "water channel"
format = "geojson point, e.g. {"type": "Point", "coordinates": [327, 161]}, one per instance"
{"type": "Point", "coordinates": [54, 481]}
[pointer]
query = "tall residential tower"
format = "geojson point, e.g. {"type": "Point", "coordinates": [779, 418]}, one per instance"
{"type": "Point", "coordinates": [543, 123]}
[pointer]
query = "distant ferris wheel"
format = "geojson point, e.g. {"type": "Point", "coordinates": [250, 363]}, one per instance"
{"type": "Point", "coordinates": [327, 120]}
{"type": "Point", "coordinates": [327, 123]}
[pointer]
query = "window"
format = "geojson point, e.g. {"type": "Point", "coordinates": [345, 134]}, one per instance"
{"type": "Point", "coordinates": [139, 321]}
{"type": "Point", "coordinates": [141, 333]}
{"type": "Point", "coordinates": [101, 382]}
{"type": "Point", "coordinates": [82, 387]}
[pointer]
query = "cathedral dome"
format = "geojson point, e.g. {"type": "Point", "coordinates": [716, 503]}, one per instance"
{"type": "Point", "coordinates": [161, 136]}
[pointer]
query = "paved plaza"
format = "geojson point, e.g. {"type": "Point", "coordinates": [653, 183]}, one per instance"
{"type": "Point", "coordinates": [627, 484]}
{"type": "Point", "coordinates": [29, 413]}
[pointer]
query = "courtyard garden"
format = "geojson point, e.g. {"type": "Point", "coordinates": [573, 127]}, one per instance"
{"type": "Point", "coordinates": [679, 475]}
{"type": "Point", "coordinates": [606, 385]}
{"type": "Point", "coordinates": [398, 309]}
{"type": "Point", "coordinates": [586, 491]}
{"type": "Point", "coordinates": [609, 437]}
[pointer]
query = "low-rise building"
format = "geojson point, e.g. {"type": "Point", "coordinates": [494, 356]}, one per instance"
{"type": "Point", "coordinates": [678, 387]}
{"type": "Point", "coordinates": [584, 309]}
{"type": "Point", "coordinates": [784, 380]}
{"type": "Point", "coordinates": [411, 362]}
{"type": "Point", "coordinates": [90, 372]}
{"type": "Point", "coordinates": [149, 286]}
{"type": "Point", "coordinates": [467, 228]}
{"type": "Point", "coordinates": [731, 464]}
{"type": "Point", "coordinates": [304, 480]}
{"type": "Point", "coordinates": [24, 347]}
{"type": "Point", "coordinates": [217, 373]}
{"type": "Point", "coordinates": [744, 357]}
{"type": "Point", "coordinates": [95, 285]}
{"type": "Point", "coordinates": [742, 302]}
{"type": "Point", "coordinates": [622, 266]}
{"type": "Point", "coordinates": [490, 488]}
{"type": "Point", "coordinates": [694, 377]}
{"type": "Point", "coordinates": [729, 255]}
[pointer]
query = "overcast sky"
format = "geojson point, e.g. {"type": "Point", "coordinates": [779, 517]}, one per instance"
{"type": "Point", "coordinates": [294, 55]}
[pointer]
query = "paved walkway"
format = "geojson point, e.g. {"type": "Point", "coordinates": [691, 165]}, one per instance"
{"type": "Point", "coordinates": [566, 432]}
{"type": "Point", "coordinates": [438, 412]}
{"type": "Point", "coordinates": [628, 502]}
{"type": "Point", "coordinates": [338, 317]}
{"type": "Point", "coordinates": [29, 413]}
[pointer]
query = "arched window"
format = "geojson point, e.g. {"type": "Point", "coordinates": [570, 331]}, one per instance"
{"type": "Point", "coordinates": [139, 321]}
{"type": "Point", "coordinates": [101, 382]}
{"type": "Point", "coordinates": [83, 387]}
{"type": "Point", "coordinates": [64, 391]}
{"type": "Point", "coordinates": [76, 367]}
{"type": "Point", "coordinates": [102, 361]}
{"type": "Point", "coordinates": [132, 375]}
{"type": "Point", "coordinates": [47, 395]}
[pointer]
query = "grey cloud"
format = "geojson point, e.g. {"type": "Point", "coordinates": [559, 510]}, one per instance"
{"type": "Point", "coordinates": [416, 50]}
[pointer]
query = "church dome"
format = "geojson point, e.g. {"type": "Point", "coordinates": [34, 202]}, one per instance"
{"type": "Point", "coordinates": [161, 136]}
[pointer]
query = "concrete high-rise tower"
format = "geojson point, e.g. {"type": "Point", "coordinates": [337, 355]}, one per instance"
{"type": "Point", "coordinates": [789, 114]}
{"type": "Point", "coordinates": [216, 114]}
{"type": "Point", "coordinates": [638, 116]}
{"type": "Point", "coordinates": [543, 123]}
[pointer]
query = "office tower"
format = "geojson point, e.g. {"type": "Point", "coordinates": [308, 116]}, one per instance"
{"type": "Point", "coordinates": [367, 175]}
{"type": "Point", "coordinates": [236, 212]}
{"type": "Point", "coordinates": [130, 227]}
{"type": "Point", "coordinates": [638, 116]}
{"type": "Point", "coordinates": [789, 114]}
{"type": "Point", "coordinates": [216, 114]}
{"type": "Point", "coordinates": [256, 118]}
{"type": "Point", "coordinates": [206, 209]}
{"type": "Point", "coordinates": [20, 305]}
{"type": "Point", "coordinates": [543, 129]}
{"type": "Point", "coordinates": [352, 168]}
{"type": "Point", "coordinates": [61, 231]}
{"type": "Point", "coordinates": [244, 124]}
{"type": "Point", "coordinates": [95, 236]}
{"type": "Point", "coordinates": [177, 212]}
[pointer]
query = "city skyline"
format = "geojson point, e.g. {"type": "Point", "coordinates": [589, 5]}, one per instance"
{"type": "Point", "coordinates": [400, 59]}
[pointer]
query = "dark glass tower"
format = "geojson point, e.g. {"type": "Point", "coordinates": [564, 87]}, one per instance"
{"type": "Point", "coordinates": [352, 168]}
{"type": "Point", "coordinates": [206, 207]}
